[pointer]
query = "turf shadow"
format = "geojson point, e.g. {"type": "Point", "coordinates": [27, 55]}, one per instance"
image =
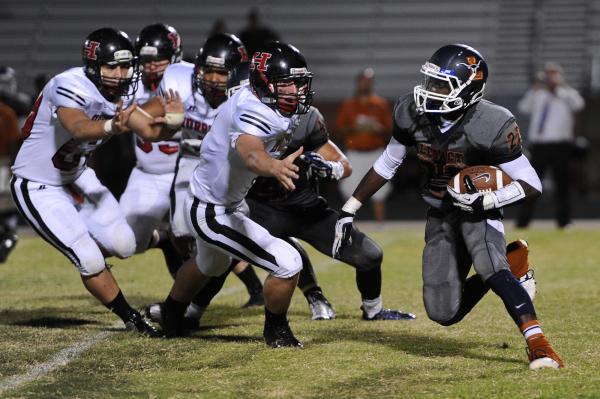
{"type": "Point", "coordinates": [54, 322]}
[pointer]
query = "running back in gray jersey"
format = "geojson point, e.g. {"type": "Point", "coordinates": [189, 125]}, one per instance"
{"type": "Point", "coordinates": [487, 134]}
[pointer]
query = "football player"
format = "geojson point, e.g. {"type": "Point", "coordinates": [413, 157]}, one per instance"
{"type": "Point", "coordinates": [452, 128]}
{"type": "Point", "coordinates": [202, 88]}
{"type": "Point", "coordinates": [248, 138]}
{"type": "Point", "coordinates": [58, 195]}
{"type": "Point", "coordinates": [303, 214]}
{"type": "Point", "coordinates": [145, 200]}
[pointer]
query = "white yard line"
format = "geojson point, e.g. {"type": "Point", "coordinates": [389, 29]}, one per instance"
{"type": "Point", "coordinates": [62, 358]}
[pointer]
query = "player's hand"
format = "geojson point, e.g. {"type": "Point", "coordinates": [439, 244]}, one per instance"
{"type": "Point", "coordinates": [171, 102]}
{"type": "Point", "coordinates": [285, 170]}
{"type": "Point", "coordinates": [472, 201]}
{"type": "Point", "coordinates": [119, 121]}
{"type": "Point", "coordinates": [343, 233]}
{"type": "Point", "coordinates": [321, 167]}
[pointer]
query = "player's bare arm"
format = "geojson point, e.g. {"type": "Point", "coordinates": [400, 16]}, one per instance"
{"type": "Point", "coordinates": [252, 151]}
{"type": "Point", "coordinates": [159, 118]}
{"type": "Point", "coordinates": [76, 122]}
{"type": "Point", "coordinates": [331, 152]}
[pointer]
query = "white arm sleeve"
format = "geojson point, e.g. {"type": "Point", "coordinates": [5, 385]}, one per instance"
{"type": "Point", "coordinates": [392, 157]}
{"type": "Point", "coordinates": [521, 169]}
{"type": "Point", "coordinates": [571, 97]}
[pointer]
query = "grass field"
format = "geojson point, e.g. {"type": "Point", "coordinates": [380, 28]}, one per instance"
{"type": "Point", "coordinates": [56, 341]}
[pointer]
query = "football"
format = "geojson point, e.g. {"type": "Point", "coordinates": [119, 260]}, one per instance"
{"type": "Point", "coordinates": [484, 177]}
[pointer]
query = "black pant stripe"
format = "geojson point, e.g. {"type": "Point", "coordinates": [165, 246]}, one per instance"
{"type": "Point", "coordinates": [45, 232]}
{"type": "Point", "coordinates": [236, 236]}
{"type": "Point", "coordinates": [172, 196]}
{"type": "Point", "coordinates": [238, 254]}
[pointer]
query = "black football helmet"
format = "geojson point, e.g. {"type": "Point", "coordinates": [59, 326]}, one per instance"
{"type": "Point", "coordinates": [455, 77]}
{"type": "Point", "coordinates": [157, 42]}
{"type": "Point", "coordinates": [112, 48]}
{"type": "Point", "coordinates": [221, 53]}
{"type": "Point", "coordinates": [277, 66]}
{"type": "Point", "coordinates": [239, 77]}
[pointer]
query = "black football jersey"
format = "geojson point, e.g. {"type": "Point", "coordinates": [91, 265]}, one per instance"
{"type": "Point", "coordinates": [487, 134]}
{"type": "Point", "coordinates": [311, 133]}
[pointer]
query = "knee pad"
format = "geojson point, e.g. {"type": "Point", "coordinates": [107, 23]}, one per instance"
{"type": "Point", "coordinates": [287, 257]}
{"type": "Point", "coordinates": [214, 264]}
{"type": "Point", "coordinates": [122, 240]}
{"type": "Point", "coordinates": [91, 260]}
{"type": "Point", "coordinates": [440, 306]}
{"type": "Point", "coordinates": [364, 254]}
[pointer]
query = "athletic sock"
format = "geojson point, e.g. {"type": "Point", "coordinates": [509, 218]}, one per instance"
{"type": "Point", "coordinates": [120, 307]}
{"type": "Point", "coordinates": [174, 307]}
{"type": "Point", "coordinates": [275, 319]}
{"type": "Point", "coordinates": [372, 306]}
{"type": "Point", "coordinates": [369, 283]}
{"type": "Point", "coordinates": [251, 281]}
{"type": "Point", "coordinates": [530, 329]}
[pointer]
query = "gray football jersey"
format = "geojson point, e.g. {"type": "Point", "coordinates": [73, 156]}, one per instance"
{"type": "Point", "coordinates": [487, 134]}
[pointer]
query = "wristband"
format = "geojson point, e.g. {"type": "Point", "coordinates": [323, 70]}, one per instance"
{"type": "Point", "coordinates": [108, 128]}
{"type": "Point", "coordinates": [174, 120]}
{"type": "Point", "coordinates": [352, 205]}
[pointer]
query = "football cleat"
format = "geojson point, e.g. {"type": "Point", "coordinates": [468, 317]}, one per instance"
{"type": "Point", "coordinates": [517, 254]}
{"type": "Point", "coordinates": [388, 314]}
{"type": "Point", "coordinates": [320, 308]}
{"type": "Point", "coordinates": [541, 354]}
{"type": "Point", "coordinates": [140, 324]}
{"type": "Point", "coordinates": [256, 299]}
{"type": "Point", "coordinates": [154, 313]}
{"type": "Point", "coordinates": [7, 244]}
{"type": "Point", "coordinates": [280, 336]}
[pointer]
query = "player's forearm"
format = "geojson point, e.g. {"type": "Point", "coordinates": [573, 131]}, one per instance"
{"type": "Point", "coordinates": [90, 129]}
{"type": "Point", "coordinates": [259, 162]}
{"type": "Point", "coordinates": [369, 185]}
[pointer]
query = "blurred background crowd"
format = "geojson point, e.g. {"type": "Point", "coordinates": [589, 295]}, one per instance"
{"type": "Point", "coordinates": [543, 55]}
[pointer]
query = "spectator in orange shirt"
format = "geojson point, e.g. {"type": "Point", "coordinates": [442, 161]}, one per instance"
{"type": "Point", "coordinates": [365, 123]}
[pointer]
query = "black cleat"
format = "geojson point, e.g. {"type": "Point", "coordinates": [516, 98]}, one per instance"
{"type": "Point", "coordinates": [280, 336]}
{"type": "Point", "coordinates": [7, 244]}
{"type": "Point", "coordinates": [256, 299]}
{"type": "Point", "coordinates": [388, 314]}
{"type": "Point", "coordinates": [154, 313]}
{"type": "Point", "coordinates": [141, 325]}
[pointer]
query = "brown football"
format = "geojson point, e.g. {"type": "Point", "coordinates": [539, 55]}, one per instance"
{"type": "Point", "coordinates": [484, 177]}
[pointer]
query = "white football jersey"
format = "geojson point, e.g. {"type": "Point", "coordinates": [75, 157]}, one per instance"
{"type": "Point", "coordinates": [49, 153]}
{"type": "Point", "coordinates": [199, 116]}
{"type": "Point", "coordinates": [221, 177]}
{"type": "Point", "coordinates": [158, 157]}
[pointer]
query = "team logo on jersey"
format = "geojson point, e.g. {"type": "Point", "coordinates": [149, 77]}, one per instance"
{"type": "Point", "coordinates": [259, 61]}
{"type": "Point", "coordinates": [90, 50]}
{"type": "Point", "coordinates": [175, 40]}
{"type": "Point", "coordinates": [473, 66]}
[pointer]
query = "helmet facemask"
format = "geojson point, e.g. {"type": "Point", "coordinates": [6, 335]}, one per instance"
{"type": "Point", "coordinates": [152, 68]}
{"type": "Point", "coordinates": [212, 83]}
{"type": "Point", "coordinates": [292, 94]}
{"type": "Point", "coordinates": [113, 87]}
{"type": "Point", "coordinates": [443, 93]}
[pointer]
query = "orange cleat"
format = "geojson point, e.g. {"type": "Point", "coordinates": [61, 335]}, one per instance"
{"type": "Point", "coordinates": [541, 354]}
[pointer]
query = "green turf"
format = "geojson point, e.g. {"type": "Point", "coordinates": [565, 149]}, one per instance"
{"type": "Point", "coordinates": [44, 308]}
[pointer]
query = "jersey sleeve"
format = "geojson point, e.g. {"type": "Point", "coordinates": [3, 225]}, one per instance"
{"type": "Point", "coordinates": [67, 93]}
{"type": "Point", "coordinates": [248, 120]}
{"type": "Point", "coordinates": [506, 146]}
{"type": "Point", "coordinates": [317, 131]}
